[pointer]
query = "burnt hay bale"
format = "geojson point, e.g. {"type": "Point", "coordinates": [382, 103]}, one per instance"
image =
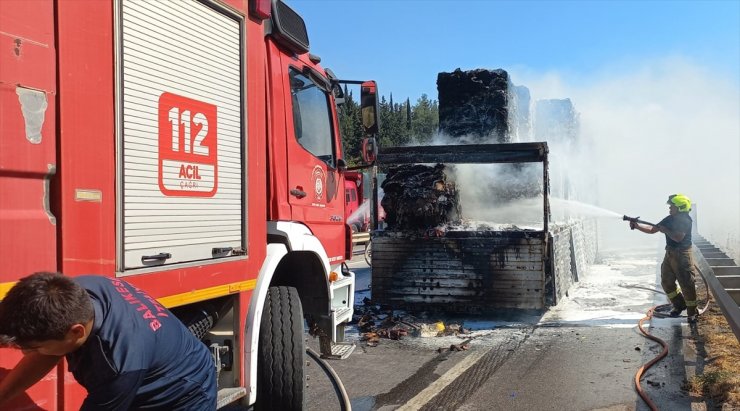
{"type": "Point", "coordinates": [475, 104]}
{"type": "Point", "coordinates": [418, 196]}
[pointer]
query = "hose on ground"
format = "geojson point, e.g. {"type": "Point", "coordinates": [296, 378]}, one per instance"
{"type": "Point", "coordinates": [345, 403]}
{"type": "Point", "coordinates": [664, 352]}
{"type": "Point", "coordinates": [701, 310]}
{"type": "Point", "coordinates": [649, 364]}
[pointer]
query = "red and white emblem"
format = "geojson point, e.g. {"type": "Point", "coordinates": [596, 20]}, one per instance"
{"type": "Point", "coordinates": [319, 178]}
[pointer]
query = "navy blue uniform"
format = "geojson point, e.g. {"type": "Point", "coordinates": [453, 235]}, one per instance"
{"type": "Point", "coordinates": [678, 264]}
{"type": "Point", "coordinates": [139, 355]}
{"type": "Point", "coordinates": [681, 223]}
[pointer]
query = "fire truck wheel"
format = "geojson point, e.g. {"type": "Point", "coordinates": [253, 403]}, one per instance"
{"type": "Point", "coordinates": [280, 365]}
{"type": "Point", "coordinates": [369, 253]}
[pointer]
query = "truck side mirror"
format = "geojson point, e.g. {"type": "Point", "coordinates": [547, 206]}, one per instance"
{"type": "Point", "coordinates": [369, 150]}
{"type": "Point", "coordinates": [369, 107]}
{"type": "Point", "coordinates": [341, 165]}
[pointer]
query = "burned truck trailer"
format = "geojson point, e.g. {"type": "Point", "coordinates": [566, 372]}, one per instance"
{"type": "Point", "coordinates": [479, 270]}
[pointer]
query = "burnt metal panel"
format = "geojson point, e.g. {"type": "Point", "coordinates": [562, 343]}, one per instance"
{"type": "Point", "coordinates": [563, 275]}
{"type": "Point", "coordinates": [471, 271]}
{"type": "Point", "coordinates": [467, 154]}
{"type": "Point", "coordinates": [480, 271]}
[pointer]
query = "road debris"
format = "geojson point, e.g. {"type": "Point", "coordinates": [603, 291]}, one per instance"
{"type": "Point", "coordinates": [459, 347]}
{"type": "Point", "coordinates": [375, 323]}
{"type": "Point", "coordinates": [454, 348]}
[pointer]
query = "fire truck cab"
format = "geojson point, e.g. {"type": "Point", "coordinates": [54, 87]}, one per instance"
{"type": "Point", "coordinates": [192, 149]}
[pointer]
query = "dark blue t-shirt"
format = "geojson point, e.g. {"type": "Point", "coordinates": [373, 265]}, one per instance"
{"type": "Point", "coordinates": [681, 223]}
{"type": "Point", "coordinates": [139, 355]}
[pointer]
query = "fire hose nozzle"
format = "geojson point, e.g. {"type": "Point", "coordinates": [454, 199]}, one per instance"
{"type": "Point", "coordinates": [631, 220]}
{"type": "Point", "coordinates": [636, 220]}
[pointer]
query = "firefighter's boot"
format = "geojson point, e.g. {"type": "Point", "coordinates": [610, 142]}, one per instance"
{"type": "Point", "coordinates": [692, 313]}
{"type": "Point", "coordinates": [679, 304]}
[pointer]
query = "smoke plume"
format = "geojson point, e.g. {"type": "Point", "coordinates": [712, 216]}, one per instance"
{"type": "Point", "coordinates": [662, 127]}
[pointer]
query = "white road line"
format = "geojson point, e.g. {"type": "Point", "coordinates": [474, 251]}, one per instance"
{"type": "Point", "coordinates": [446, 379]}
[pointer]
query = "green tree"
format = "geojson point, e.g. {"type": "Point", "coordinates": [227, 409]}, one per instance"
{"type": "Point", "coordinates": [350, 127]}
{"type": "Point", "coordinates": [408, 114]}
{"type": "Point", "coordinates": [392, 125]}
{"type": "Point", "coordinates": [424, 119]}
{"type": "Point", "coordinates": [400, 124]}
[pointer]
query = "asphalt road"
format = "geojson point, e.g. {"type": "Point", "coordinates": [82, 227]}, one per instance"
{"type": "Point", "coordinates": [580, 355]}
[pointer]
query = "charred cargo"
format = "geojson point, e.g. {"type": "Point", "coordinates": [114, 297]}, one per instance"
{"type": "Point", "coordinates": [429, 256]}
{"type": "Point", "coordinates": [464, 271]}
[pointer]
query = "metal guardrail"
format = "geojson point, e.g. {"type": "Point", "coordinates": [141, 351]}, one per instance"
{"type": "Point", "coordinates": [361, 237]}
{"type": "Point", "coordinates": [722, 276]}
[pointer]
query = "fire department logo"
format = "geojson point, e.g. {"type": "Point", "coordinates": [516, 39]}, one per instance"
{"type": "Point", "coordinates": [319, 178]}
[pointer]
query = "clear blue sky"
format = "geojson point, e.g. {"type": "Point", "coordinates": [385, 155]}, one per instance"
{"type": "Point", "coordinates": [403, 44]}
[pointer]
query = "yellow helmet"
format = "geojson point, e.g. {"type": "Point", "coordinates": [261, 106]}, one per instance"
{"type": "Point", "coordinates": [680, 201]}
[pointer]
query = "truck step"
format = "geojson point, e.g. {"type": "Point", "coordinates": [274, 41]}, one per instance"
{"type": "Point", "coordinates": [227, 396]}
{"type": "Point", "coordinates": [340, 351]}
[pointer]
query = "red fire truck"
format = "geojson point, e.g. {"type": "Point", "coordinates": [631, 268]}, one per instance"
{"type": "Point", "coordinates": [353, 195]}
{"type": "Point", "coordinates": [191, 148]}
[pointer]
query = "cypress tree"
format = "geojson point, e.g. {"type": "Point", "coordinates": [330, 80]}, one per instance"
{"type": "Point", "coordinates": [408, 114]}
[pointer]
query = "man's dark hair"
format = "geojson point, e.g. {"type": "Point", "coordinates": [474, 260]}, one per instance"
{"type": "Point", "coordinates": [41, 307]}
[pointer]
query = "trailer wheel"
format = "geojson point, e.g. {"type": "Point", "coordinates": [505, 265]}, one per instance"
{"type": "Point", "coordinates": [369, 253]}
{"type": "Point", "coordinates": [280, 362]}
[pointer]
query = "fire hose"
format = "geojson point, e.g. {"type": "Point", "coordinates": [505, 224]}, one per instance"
{"type": "Point", "coordinates": [345, 403]}
{"type": "Point", "coordinates": [649, 315]}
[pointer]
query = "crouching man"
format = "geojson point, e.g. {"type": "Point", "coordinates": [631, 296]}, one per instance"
{"type": "Point", "coordinates": [127, 350]}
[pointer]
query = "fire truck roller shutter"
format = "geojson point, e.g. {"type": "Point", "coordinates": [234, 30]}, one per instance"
{"type": "Point", "coordinates": [181, 93]}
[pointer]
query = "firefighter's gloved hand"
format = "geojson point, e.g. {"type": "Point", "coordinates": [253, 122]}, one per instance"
{"type": "Point", "coordinates": [633, 225]}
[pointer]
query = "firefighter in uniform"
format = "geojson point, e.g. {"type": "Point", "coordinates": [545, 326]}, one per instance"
{"type": "Point", "coordinates": [125, 348]}
{"type": "Point", "coordinates": [678, 263]}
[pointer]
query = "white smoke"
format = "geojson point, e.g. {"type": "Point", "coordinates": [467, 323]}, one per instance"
{"type": "Point", "coordinates": [662, 127]}
{"type": "Point", "coordinates": [478, 184]}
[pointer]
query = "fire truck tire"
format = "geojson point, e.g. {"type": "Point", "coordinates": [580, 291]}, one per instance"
{"type": "Point", "coordinates": [281, 376]}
